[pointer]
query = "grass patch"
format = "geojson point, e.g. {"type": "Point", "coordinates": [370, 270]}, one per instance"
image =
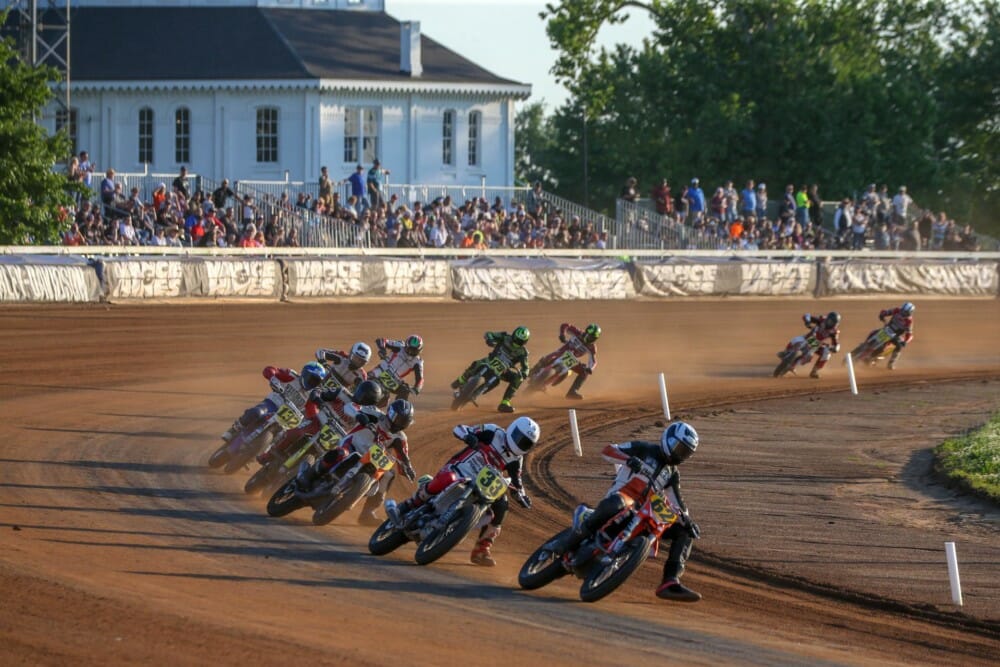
{"type": "Point", "coordinates": [972, 461]}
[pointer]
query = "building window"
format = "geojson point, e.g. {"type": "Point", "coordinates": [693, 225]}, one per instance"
{"type": "Point", "coordinates": [361, 134]}
{"type": "Point", "coordinates": [182, 135]}
{"type": "Point", "coordinates": [145, 135]}
{"type": "Point", "coordinates": [474, 121]}
{"type": "Point", "coordinates": [267, 134]}
{"type": "Point", "coordinates": [448, 138]}
{"type": "Point", "coordinates": [68, 121]}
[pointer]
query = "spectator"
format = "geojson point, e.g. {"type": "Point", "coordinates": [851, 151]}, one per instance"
{"type": "Point", "coordinates": [325, 187]}
{"type": "Point", "coordinates": [182, 185]}
{"type": "Point", "coordinates": [73, 237]}
{"type": "Point", "coordinates": [222, 194]}
{"type": "Point", "coordinates": [108, 191]}
{"type": "Point", "coordinates": [748, 198]}
{"type": "Point", "coordinates": [376, 183]}
{"type": "Point", "coordinates": [696, 201]}
{"type": "Point", "coordinates": [173, 236]}
{"type": "Point", "coordinates": [126, 231]}
{"type": "Point", "coordinates": [732, 202]}
{"type": "Point", "coordinates": [662, 199]}
{"type": "Point", "coordinates": [761, 201]}
{"type": "Point", "coordinates": [358, 185]}
{"type": "Point", "coordinates": [249, 239]}
{"type": "Point", "coordinates": [815, 206]}
{"type": "Point", "coordinates": [86, 170]}
{"type": "Point", "coordinates": [939, 231]}
{"type": "Point", "coordinates": [719, 204]}
{"type": "Point", "coordinates": [900, 206]}
{"type": "Point", "coordinates": [629, 191]}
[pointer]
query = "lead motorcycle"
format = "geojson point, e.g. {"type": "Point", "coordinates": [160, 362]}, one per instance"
{"type": "Point", "coordinates": [484, 378]}
{"type": "Point", "coordinates": [245, 445]}
{"type": "Point", "coordinates": [554, 372]}
{"type": "Point", "coordinates": [605, 560]}
{"type": "Point", "coordinates": [799, 349]}
{"type": "Point", "coordinates": [330, 496]}
{"type": "Point", "coordinates": [442, 522]}
{"type": "Point", "coordinates": [872, 349]}
{"type": "Point", "coordinates": [386, 377]}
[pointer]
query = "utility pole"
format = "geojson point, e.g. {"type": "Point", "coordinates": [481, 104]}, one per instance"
{"type": "Point", "coordinates": [586, 178]}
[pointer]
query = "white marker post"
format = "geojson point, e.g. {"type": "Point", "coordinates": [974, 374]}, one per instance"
{"type": "Point", "coordinates": [850, 374]}
{"type": "Point", "coordinates": [574, 429]}
{"type": "Point", "coordinates": [663, 396]}
{"type": "Point", "coordinates": [956, 584]}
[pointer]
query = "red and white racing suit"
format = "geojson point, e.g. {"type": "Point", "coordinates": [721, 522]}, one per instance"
{"type": "Point", "coordinates": [338, 363]}
{"type": "Point", "coordinates": [821, 332]}
{"type": "Point", "coordinates": [902, 326]}
{"type": "Point", "coordinates": [399, 360]}
{"type": "Point", "coordinates": [572, 343]}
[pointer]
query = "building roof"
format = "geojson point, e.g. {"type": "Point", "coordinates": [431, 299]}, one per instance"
{"type": "Point", "coordinates": [250, 43]}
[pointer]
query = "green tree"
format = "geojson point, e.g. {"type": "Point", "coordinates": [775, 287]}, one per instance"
{"type": "Point", "coordinates": [533, 147]}
{"type": "Point", "coordinates": [31, 193]}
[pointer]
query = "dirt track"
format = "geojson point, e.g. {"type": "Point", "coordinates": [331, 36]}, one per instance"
{"type": "Point", "coordinates": [822, 529]}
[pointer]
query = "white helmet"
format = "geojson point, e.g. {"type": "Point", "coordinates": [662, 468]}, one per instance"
{"type": "Point", "coordinates": [679, 441]}
{"type": "Point", "coordinates": [522, 434]}
{"type": "Point", "coordinates": [361, 353]}
{"type": "Point", "coordinates": [907, 308]}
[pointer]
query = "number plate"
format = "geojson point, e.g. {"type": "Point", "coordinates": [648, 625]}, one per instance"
{"type": "Point", "coordinates": [379, 458]}
{"type": "Point", "coordinates": [327, 438]}
{"type": "Point", "coordinates": [567, 359]}
{"type": "Point", "coordinates": [882, 336]}
{"type": "Point", "coordinates": [662, 509]}
{"type": "Point", "coordinates": [288, 416]}
{"type": "Point", "coordinates": [812, 342]}
{"type": "Point", "coordinates": [491, 483]}
{"type": "Point", "coordinates": [388, 381]}
{"type": "Point", "coordinates": [497, 365]}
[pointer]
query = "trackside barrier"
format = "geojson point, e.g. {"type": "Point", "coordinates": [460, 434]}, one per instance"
{"type": "Point", "coordinates": [65, 275]}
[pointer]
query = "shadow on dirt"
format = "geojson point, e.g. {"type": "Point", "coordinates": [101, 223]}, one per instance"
{"type": "Point", "coordinates": [132, 466]}
{"type": "Point", "coordinates": [187, 437]}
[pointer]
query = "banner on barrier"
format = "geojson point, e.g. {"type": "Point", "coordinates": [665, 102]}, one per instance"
{"type": "Point", "coordinates": [909, 277]}
{"type": "Point", "coordinates": [724, 276]}
{"type": "Point", "coordinates": [540, 278]}
{"type": "Point", "coordinates": [48, 280]}
{"type": "Point", "coordinates": [367, 277]}
{"type": "Point", "coordinates": [133, 278]}
{"type": "Point", "coordinates": [234, 278]}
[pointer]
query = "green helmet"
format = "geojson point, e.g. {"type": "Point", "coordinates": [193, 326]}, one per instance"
{"type": "Point", "coordinates": [521, 335]}
{"type": "Point", "coordinates": [591, 333]}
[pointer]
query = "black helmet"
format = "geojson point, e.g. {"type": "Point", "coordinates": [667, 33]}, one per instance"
{"type": "Point", "coordinates": [399, 415]}
{"type": "Point", "coordinates": [414, 345]}
{"type": "Point", "coordinates": [679, 440]}
{"type": "Point", "coordinates": [832, 320]}
{"type": "Point", "coordinates": [367, 393]}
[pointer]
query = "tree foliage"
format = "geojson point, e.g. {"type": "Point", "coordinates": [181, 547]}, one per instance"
{"type": "Point", "coordinates": [836, 92]}
{"type": "Point", "coordinates": [31, 193]}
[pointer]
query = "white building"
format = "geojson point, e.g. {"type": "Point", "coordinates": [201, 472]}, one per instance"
{"type": "Point", "coordinates": [261, 89]}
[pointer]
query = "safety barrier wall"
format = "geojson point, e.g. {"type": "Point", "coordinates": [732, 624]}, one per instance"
{"type": "Point", "coordinates": [67, 278]}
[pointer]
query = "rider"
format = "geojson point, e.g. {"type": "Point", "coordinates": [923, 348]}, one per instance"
{"type": "Point", "coordinates": [677, 443]}
{"type": "Point", "coordinates": [822, 327]}
{"type": "Point", "coordinates": [373, 427]}
{"type": "Point", "coordinates": [486, 444]}
{"type": "Point", "coordinates": [347, 367]}
{"type": "Point", "coordinates": [404, 357]}
{"type": "Point", "coordinates": [346, 407]}
{"type": "Point", "coordinates": [312, 375]}
{"type": "Point", "coordinates": [581, 344]}
{"type": "Point", "coordinates": [901, 326]}
{"type": "Point", "coordinates": [511, 349]}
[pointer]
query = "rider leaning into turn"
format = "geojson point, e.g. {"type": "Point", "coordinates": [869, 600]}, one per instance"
{"type": "Point", "coordinates": [677, 443]}
{"type": "Point", "coordinates": [822, 328]}
{"type": "Point", "coordinates": [311, 377]}
{"type": "Point", "coordinates": [901, 325]}
{"type": "Point", "coordinates": [404, 358]}
{"type": "Point", "coordinates": [581, 344]}
{"type": "Point", "coordinates": [512, 351]}
{"type": "Point", "coordinates": [487, 444]}
{"type": "Point", "coordinates": [347, 367]}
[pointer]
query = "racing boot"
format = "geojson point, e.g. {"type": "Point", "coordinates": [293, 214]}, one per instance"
{"type": "Point", "coordinates": [367, 516]}
{"type": "Point", "coordinates": [892, 359]}
{"type": "Point", "coordinates": [574, 391]}
{"type": "Point", "coordinates": [572, 538]}
{"type": "Point", "coordinates": [481, 554]}
{"type": "Point", "coordinates": [505, 406]}
{"type": "Point", "coordinates": [396, 513]}
{"type": "Point", "coordinates": [233, 430]}
{"type": "Point", "coordinates": [673, 589]}
{"type": "Point", "coordinates": [814, 373]}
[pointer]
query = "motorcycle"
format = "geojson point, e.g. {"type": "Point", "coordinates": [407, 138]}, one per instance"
{"type": "Point", "coordinates": [280, 470]}
{"type": "Point", "coordinates": [442, 522]}
{"type": "Point", "coordinates": [386, 376]}
{"type": "Point", "coordinates": [484, 378]}
{"type": "Point", "coordinates": [872, 349]}
{"type": "Point", "coordinates": [544, 375]}
{"type": "Point", "coordinates": [350, 480]}
{"type": "Point", "coordinates": [239, 451]}
{"type": "Point", "coordinates": [605, 560]}
{"type": "Point", "coordinates": [800, 347]}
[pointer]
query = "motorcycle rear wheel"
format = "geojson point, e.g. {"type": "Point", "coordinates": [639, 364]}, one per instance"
{"type": "Point", "coordinates": [443, 540]}
{"type": "Point", "coordinates": [785, 364]}
{"type": "Point", "coordinates": [603, 579]}
{"type": "Point", "coordinates": [467, 392]}
{"type": "Point", "coordinates": [542, 567]}
{"type": "Point", "coordinates": [345, 501]}
{"type": "Point", "coordinates": [260, 480]}
{"type": "Point", "coordinates": [284, 501]}
{"type": "Point", "coordinates": [386, 539]}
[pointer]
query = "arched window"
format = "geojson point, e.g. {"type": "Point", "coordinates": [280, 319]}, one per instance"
{"type": "Point", "coordinates": [475, 123]}
{"type": "Point", "coordinates": [182, 135]}
{"type": "Point", "coordinates": [267, 134]}
{"type": "Point", "coordinates": [448, 138]}
{"type": "Point", "coordinates": [145, 135]}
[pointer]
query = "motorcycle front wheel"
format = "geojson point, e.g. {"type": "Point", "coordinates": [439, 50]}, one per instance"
{"type": "Point", "coordinates": [260, 480]}
{"type": "Point", "coordinates": [345, 501]}
{"type": "Point", "coordinates": [247, 452]}
{"type": "Point", "coordinates": [604, 578]}
{"type": "Point", "coordinates": [386, 539]}
{"type": "Point", "coordinates": [444, 539]}
{"type": "Point", "coordinates": [467, 392]}
{"type": "Point", "coordinates": [219, 457]}
{"type": "Point", "coordinates": [284, 501]}
{"type": "Point", "coordinates": [542, 567]}
{"type": "Point", "coordinates": [785, 364]}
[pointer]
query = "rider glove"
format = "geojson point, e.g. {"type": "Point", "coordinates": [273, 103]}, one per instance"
{"type": "Point", "coordinates": [364, 419]}
{"type": "Point", "coordinates": [692, 528]}
{"type": "Point", "coordinates": [410, 473]}
{"type": "Point", "coordinates": [634, 463]}
{"type": "Point", "coordinates": [329, 394]}
{"type": "Point", "coordinates": [522, 499]}
{"type": "Point", "coordinates": [470, 439]}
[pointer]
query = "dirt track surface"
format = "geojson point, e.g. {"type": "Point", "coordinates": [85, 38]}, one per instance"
{"type": "Point", "coordinates": [822, 525]}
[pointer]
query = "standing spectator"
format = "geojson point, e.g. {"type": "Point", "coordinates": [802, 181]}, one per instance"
{"type": "Point", "coordinates": [788, 201]}
{"type": "Point", "coordinates": [325, 187]}
{"type": "Point", "coordinates": [376, 183]}
{"type": "Point", "coordinates": [925, 225]}
{"type": "Point", "coordinates": [683, 204]}
{"type": "Point", "coordinates": [222, 194]}
{"type": "Point", "coordinates": [629, 191]}
{"type": "Point", "coordinates": [719, 204]}
{"type": "Point", "coordinates": [696, 201]}
{"type": "Point", "coordinates": [73, 236]}
{"type": "Point", "coordinates": [900, 206]}
{"type": "Point", "coordinates": [802, 206]}
{"type": "Point", "coordinates": [86, 170]}
{"type": "Point", "coordinates": [859, 226]}
{"type": "Point", "coordinates": [939, 230]}
{"type": "Point", "coordinates": [534, 201]}
{"type": "Point", "coordinates": [358, 185]}
{"type": "Point", "coordinates": [748, 207]}
{"type": "Point", "coordinates": [108, 191]}
{"type": "Point", "coordinates": [761, 201]}
{"type": "Point", "coordinates": [182, 185]}
{"type": "Point", "coordinates": [815, 206]}
{"type": "Point", "coordinates": [662, 198]}
{"type": "Point", "coordinates": [732, 201]}
{"type": "Point", "coordinates": [842, 218]}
